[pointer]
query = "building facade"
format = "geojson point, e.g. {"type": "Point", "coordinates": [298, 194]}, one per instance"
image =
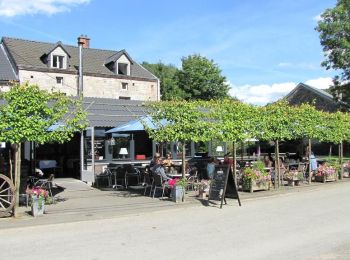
{"type": "Point", "coordinates": [107, 73]}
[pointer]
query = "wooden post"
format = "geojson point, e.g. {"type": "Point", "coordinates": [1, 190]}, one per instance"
{"type": "Point", "coordinates": [234, 158]}
{"type": "Point", "coordinates": [341, 150]}
{"type": "Point", "coordinates": [277, 170]}
{"type": "Point", "coordinates": [309, 161]}
{"type": "Point", "coordinates": [183, 159]}
{"type": "Point", "coordinates": [17, 168]}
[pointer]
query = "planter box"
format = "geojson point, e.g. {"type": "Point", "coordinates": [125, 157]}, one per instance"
{"type": "Point", "coordinates": [178, 194]}
{"type": "Point", "coordinates": [38, 206]}
{"type": "Point", "coordinates": [293, 182]}
{"type": "Point", "coordinates": [252, 185]}
{"type": "Point", "coordinates": [324, 178]}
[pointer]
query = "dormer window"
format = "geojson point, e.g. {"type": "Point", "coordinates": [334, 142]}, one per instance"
{"type": "Point", "coordinates": [123, 68]}
{"type": "Point", "coordinates": [58, 62]}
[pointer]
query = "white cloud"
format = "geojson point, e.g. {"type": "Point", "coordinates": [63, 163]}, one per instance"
{"type": "Point", "coordinates": [317, 18]}
{"type": "Point", "coordinates": [10, 8]}
{"type": "Point", "coordinates": [265, 93]}
{"type": "Point", "coordinates": [321, 83]}
{"type": "Point", "coordinates": [301, 65]}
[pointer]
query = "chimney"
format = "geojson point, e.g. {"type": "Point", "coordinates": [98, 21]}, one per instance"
{"type": "Point", "coordinates": [84, 40]}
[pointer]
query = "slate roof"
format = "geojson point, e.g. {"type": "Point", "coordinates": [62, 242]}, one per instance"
{"type": "Point", "coordinates": [106, 112]}
{"type": "Point", "coordinates": [6, 71]}
{"type": "Point", "coordinates": [27, 54]}
{"type": "Point", "coordinates": [303, 93]}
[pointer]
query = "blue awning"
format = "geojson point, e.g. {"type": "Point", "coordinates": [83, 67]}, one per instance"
{"type": "Point", "coordinates": [135, 125]}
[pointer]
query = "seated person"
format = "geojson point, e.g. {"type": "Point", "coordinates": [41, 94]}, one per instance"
{"type": "Point", "coordinates": [268, 162]}
{"type": "Point", "coordinates": [154, 159]}
{"type": "Point", "coordinates": [159, 169]}
{"type": "Point", "coordinates": [168, 162]}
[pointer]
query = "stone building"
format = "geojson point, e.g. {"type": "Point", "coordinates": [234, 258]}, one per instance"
{"type": "Point", "coordinates": [114, 88]}
{"type": "Point", "coordinates": [107, 73]}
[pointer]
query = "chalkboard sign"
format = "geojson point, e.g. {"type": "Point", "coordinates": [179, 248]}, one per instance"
{"type": "Point", "coordinates": [223, 185]}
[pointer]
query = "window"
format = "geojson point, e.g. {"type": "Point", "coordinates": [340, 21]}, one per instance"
{"type": "Point", "coordinates": [59, 80]}
{"type": "Point", "coordinates": [57, 61]}
{"type": "Point", "coordinates": [125, 98]}
{"type": "Point", "coordinates": [124, 86]}
{"type": "Point", "coordinates": [122, 69]}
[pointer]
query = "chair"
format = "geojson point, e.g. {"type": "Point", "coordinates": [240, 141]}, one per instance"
{"type": "Point", "coordinates": [302, 170]}
{"type": "Point", "coordinates": [192, 181]}
{"type": "Point", "coordinates": [107, 174]}
{"type": "Point", "coordinates": [46, 184]}
{"type": "Point", "coordinates": [148, 183]}
{"type": "Point", "coordinates": [159, 184]}
{"type": "Point", "coordinates": [131, 172]}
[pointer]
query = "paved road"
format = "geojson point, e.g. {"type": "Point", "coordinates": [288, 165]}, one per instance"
{"type": "Point", "coordinates": [306, 225]}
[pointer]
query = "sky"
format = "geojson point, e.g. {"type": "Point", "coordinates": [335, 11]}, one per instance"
{"type": "Point", "coordinates": [264, 48]}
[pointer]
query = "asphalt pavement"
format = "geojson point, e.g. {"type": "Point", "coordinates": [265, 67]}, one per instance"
{"type": "Point", "coordinates": [308, 224]}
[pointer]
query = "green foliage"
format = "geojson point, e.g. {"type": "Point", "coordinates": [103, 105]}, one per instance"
{"type": "Point", "coordinates": [275, 121]}
{"type": "Point", "coordinates": [201, 78]}
{"type": "Point", "coordinates": [169, 89]}
{"type": "Point", "coordinates": [308, 122]}
{"type": "Point", "coordinates": [29, 112]}
{"type": "Point", "coordinates": [260, 166]}
{"type": "Point", "coordinates": [335, 127]}
{"type": "Point", "coordinates": [334, 29]}
{"type": "Point", "coordinates": [185, 121]}
{"type": "Point", "coordinates": [233, 120]}
{"type": "Point", "coordinates": [182, 183]}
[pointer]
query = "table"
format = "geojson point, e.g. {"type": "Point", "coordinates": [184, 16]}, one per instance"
{"type": "Point", "coordinates": [113, 171]}
{"type": "Point", "coordinates": [177, 175]}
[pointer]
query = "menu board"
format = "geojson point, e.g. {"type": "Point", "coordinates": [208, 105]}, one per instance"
{"type": "Point", "coordinates": [218, 185]}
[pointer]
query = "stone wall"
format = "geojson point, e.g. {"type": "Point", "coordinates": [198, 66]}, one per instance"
{"type": "Point", "coordinates": [93, 86]}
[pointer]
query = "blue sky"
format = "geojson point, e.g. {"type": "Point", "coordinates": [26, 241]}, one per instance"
{"type": "Point", "coordinates": [264, 48]}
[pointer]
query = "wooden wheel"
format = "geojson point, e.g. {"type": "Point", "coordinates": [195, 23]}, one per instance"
{"type": "Point", "coordinates": [7, 195]}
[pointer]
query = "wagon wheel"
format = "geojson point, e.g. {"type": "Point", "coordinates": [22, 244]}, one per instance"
{"type": "Point", "coordinates": [7, 195]}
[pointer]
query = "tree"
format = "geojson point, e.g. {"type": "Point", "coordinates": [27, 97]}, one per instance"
{"type": "Point", "coordinates": [334, 29]}
{"type": "Point", "coordinates": [185, 121]}
{"type": "Point", "coordinates": [233, 121]}
{"type": "Point", "coordinates": [276, 122]}
{"type": "Point", "coordinates": [169, 89]}
{"type": "Point", "coordinates": [201, 78]}
{"type": "Point", "coordinates": [308, 123]}
{"type": "Point", "coordinates": [28, 114]}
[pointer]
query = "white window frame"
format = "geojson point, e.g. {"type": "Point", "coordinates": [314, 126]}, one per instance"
{"type": "Point", "coordinates": [60, 64]}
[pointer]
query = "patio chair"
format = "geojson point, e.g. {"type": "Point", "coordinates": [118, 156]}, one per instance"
{"type": "Point", "coordinates": [46, 184]}
{"type": "Point", "coordinates": [107, 174]}
{"type": "Point", "coordinates": [131, 172]}
{"type": "Point", "coordinates": [148, 183]}
{"type": "Point", "coordinates": [302, 170]}
{"type": "Point", "coordinates": [192, 181]}
{"type": "Point", "coordinates": [159, 184]}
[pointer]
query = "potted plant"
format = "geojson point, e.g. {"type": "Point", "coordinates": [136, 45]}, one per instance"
{"type": "Point", "coordinates": [256, 178]}
{"type": "Point", "coordinates": [346, 167]}
{"type": "Point", "coordinates": [178, 190]}
{"type": "Point", "coordinates": [327, 172]}
{"type": "Point", "coordinates": [293, 177]}
{"type": "Point", "coordinates": [38, 197]}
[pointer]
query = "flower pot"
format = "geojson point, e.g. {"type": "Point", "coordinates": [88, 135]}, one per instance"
{"type": "Point", "coordinates": [325, 178]}
{"type": "Point", "coordinates": [38, 206]}
{"type": "Point", "coordinates": [252, 185]}
{"type": "Point", "coordinates": [178, 194]}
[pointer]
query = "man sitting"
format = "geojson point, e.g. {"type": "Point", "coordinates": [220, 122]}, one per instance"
{"type": "Point", "coordinates": [159, 169]}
